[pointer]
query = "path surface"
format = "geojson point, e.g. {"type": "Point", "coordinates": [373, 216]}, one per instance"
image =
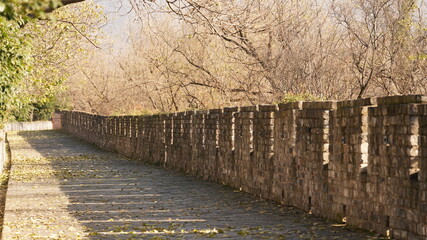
{"type": "Point", "coordinates": [61, 188]}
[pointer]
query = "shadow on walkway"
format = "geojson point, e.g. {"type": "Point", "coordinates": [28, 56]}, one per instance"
{"type": "Point", "coordinates": [62, 188]}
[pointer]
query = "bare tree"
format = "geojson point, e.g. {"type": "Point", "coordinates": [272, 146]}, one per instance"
{"type": "Point", "coordinates": [192, 54]}
{"type": "Point", "coordinates": [383, 44]}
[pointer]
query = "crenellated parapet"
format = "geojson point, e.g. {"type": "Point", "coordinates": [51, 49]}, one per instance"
{"type": "Point", "coordinates": [362, 161]}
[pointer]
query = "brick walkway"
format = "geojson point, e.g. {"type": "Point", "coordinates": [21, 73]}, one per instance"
{"type": "Point", "coordinates": [61, 188]}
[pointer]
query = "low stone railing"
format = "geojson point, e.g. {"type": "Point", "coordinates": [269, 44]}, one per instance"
{"type": "Point", "coordinates": [28, 126]}
{"type": "Point", "coordinates": [3, 150]}
{"type": "Point", "coordinates": [363, 160]}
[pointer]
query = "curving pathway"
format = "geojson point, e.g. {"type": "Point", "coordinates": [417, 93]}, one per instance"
{"type": "Point", "coordinates": [61, 188]}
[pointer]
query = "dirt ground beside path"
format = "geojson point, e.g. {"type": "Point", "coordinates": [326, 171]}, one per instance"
{"type": "Point", "coordinates": [61, 188]}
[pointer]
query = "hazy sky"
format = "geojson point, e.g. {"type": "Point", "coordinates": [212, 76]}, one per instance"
{"type": "Point", "coordinates": [117, 28]}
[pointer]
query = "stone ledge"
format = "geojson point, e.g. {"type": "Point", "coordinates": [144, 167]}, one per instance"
{"type": "Point", "coordinates": [215, 111]}
{"type": "Point", "coordinates": [324, 105]}
{"type": "Point", "coordinates": [290, 106]}
{"type": "Point", "coordinates": [402, 99]}
{"type": "Point", "coordinates": [249, 109]}
{"type": "Point", "coordinates": [267, 108]}
{"type": "Point", "coordinates": [231, 109]}
{"type": "Point", "coordinates": [201, 112]}
{"type": "Point", "coordinates": [357, 103]}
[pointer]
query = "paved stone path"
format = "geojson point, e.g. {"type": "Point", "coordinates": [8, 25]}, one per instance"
{"type": "Point", "coordinates": [61, 188]}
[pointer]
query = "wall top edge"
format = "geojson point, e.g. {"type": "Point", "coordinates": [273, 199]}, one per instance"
{"type": "Point", "coordinates": [290, 106]}
{"type": "Point", "coordinates": [201, 112]}
{"type": "Point", "coordinates": [357, 103]}
{"type": "Point", "coordinates": [401, 99]}
{"type": "Point", "coordinates": [215, 111]}
{"type": "Point", "coordinates": [268, 108]}
{"type": "Point", "coordinates": [248, 108]}
{"type": "Point", "coordinates": [321, 105]}
{"type": "Point", "coordinates": [231, 109]}
{"type": "Point", "coordinates": [315, 105]}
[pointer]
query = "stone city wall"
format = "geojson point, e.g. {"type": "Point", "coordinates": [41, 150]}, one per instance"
{"type": "Point", "coordinates": [363, 161]}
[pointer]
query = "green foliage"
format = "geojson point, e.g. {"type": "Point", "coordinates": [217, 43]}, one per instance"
{"type": "Point", "coordinates": [20, 11]}
{"type": "Point", "coordinates": [290, 97]}
{"type": "Point", "coordinates": [61, 45]}
{"type": "Point", "coordinates": [15, 64]}
{"type": "Point", "coordinates": [33, 77]}
{"type": "Point", "coordinates": [36, 110]}
{"type": "Point", "coordinates": [16, 61]}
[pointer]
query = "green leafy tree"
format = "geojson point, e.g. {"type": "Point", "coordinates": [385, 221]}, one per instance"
{"type": "Point", "coordinates": [15, 64]}
{"type": "Point", "coordinates": [16, 52]}
{"type": "Point", "coordinates": [61, 44]}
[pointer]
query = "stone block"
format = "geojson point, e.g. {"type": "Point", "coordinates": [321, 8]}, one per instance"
{"type": "Point", "coordinates": [249, 109]}
{"type": "Point", "coordinates": [267, 108]}
{"type": "Point", "coordinates": [324, 105]}
{"type": "Point", "coordinates": [403, 99]}
{"type": "Point", "coordinates": [356, 103]}
{"type": "Point", "coordinates": [290, 106]}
